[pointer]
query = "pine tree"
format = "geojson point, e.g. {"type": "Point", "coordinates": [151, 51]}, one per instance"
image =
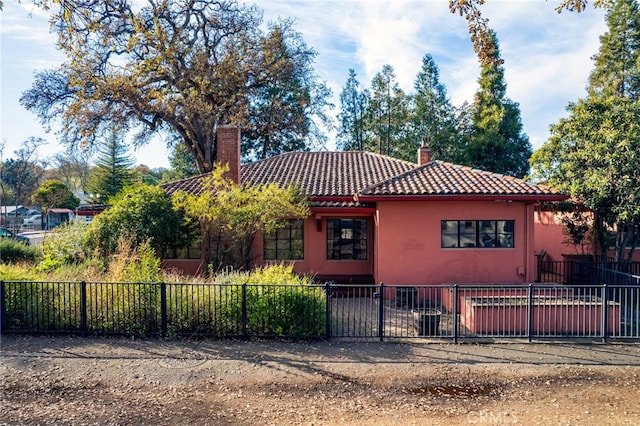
{"type": "Point", "coordinates": [354, 101]}
{"type": "Point", "coordinates": [497, 142]}
{"type": "Point", "coordinates": [433, 116]}
{"type": "Point", "coordinates": [182, 163]}
{"type": "Point", "coordinates": [617, 69]}
{"type": "Point", "coordinates": [113, 169]}
{"type": "Point", "coordinates": [388, 116]}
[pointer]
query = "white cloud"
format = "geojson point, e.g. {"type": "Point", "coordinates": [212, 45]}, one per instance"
{"type": "Point", "coordinates": [547, 55]}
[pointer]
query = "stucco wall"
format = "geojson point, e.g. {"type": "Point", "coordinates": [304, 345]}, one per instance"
{"type": "Point", "coordinates": [408, 240]}
{"type": "Point", "coordinates": [550, 237]}
{"type": "Point", "coordinates": [315, 251]}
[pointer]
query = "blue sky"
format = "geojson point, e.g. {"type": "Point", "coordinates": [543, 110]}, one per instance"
{"type": "Point", "coordinates": [547, 55]}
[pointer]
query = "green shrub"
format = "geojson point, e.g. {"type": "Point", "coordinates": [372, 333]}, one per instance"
{"type": "Point", "coordinates": [22, 271]}
{"type": "Point", "coordinates": [278, 301]}
{"type": "Point", "coordinates": [42, 306]}
{"type": "Point", "coordinates": [14, 251]}
{"type": "Point", "coordinates": [135, 264]}
{"type": "Point", "coordinates": [63, 246]}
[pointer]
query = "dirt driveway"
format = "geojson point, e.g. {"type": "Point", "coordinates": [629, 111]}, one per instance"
{"type": "Point", "coordinates": [103, 381]}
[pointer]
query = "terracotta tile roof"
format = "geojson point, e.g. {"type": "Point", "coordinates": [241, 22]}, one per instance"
{"type": "Point", "coordinates": [192, 185]}
{"type": "Point", "coordinates": [319, 174]}
{"type": "Point", "coordinates": [326, 174]}
{"type": "Point", "coordinates": [344, 174]}
{"type": "Point", "coordinates": [441, 178]}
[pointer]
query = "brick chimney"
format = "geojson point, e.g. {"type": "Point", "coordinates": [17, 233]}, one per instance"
{"type": "Point", "coordinates": [424, 153]}
{"type": "Point", "coordinates": [228, 150]}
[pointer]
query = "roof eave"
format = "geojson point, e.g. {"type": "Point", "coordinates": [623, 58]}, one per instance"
{"type": "Point", "coordinates": [464, 197]}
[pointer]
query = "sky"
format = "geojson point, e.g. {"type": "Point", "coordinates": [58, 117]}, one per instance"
{"type": "Point", "coordinates": [547, 56]}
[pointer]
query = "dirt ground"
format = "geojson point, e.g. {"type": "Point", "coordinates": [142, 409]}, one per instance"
{"type": "Point", "coordinates": [78, 381]}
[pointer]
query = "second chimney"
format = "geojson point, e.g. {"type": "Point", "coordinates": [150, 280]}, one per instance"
{"type": "Point", "coordinates": [228, 151]}
{"type": "Point", "coordinates": [424, 153]}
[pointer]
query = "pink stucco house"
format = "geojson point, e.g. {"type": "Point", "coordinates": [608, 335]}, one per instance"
{"type": "Point", "coordinates": [379, 219]}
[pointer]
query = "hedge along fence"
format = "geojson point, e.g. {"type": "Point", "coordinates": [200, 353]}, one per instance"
{"type": "Point", "coordinates": [143, 309]}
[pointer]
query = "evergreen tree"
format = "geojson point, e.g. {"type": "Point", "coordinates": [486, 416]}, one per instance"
{"type": "Point", "coordinates": [594, 153]}
{"type": "Point", "coordinates": [617, 69]}
{"type": "Point", "coordinates": [388, 117]}
{"type": "Point", "coordinates": [354, 101]}
{"type": "Point", "coordinates": [182, 165]}
{"type": "Point", "coordinates": [113, 169]}
{"type": "Point", "coordinates": [433, 116]}
{"type": "Point", "coordinates": [496, 142]}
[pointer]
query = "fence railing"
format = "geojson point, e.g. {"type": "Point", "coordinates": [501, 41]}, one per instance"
{"type": "Point", "coordinates": [532, 311]}
{"type": "Point", "coordinates": [161, 309]}
{"type": "Point", "coordinates": [587, 272]}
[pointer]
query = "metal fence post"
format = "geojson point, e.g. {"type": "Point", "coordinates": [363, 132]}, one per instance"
{"type": "Point", "coordinates": [605, 312]}
{"type": "Point", "coordinates": [381, 312]}
{"type": "Point", "coordinates": [327, 310]}
{"type": "Point", "coordinates": [454, 302]}
{"type": "Point", "coordinates": [244, 310]}
{"type": "Point", "coordinates": [530, 313]}
{"type": "Point", "coordinates": [163, 310]}
{"type": "Point", "coordinates": [3, 313]}
{"type": "Point", "coordinates": [83, 307]}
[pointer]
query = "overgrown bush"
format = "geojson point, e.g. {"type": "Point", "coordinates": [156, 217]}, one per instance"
{"type": "Point", "coordinates": [277, 301]}
{"type": "Point", "coordinates": [63, 246]}
{"type": "Point", "coordinates": [12, 251]}
{"type": "Point", "coordinates": [136, 264]}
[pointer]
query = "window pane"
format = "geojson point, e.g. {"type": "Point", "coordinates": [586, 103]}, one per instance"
{"type": "Point", "coordinates": [468, 233]}
{"type": "Point", "coordinates": [278, 244]}
{"type": "Point", "coordinates": [477, 233]}
{"type": "Point", "coordinates": [347, 238]}
{"type": "Point", "coordinates": [505, 233]}
{"type": "Point", "coordinates": [449, 236]}
{"type": "Point", "coordinates": [487, 233]}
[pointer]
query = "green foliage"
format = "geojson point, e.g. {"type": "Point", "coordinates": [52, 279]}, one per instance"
{"type": "Point", "coordinates": [144, 214]}
{"type": "Point", "coordinates": [283, 108]}
{"type": "Point", "coordinates": [42, 306]}
{"type": "Point", "coordinates": [63, 246]}
{"type": "Point", "coordinates": [232, 215]}
{"type": "Point", "coordinates": [294, 309]}
{"type": "Point", "coordinates": [182, 163]}
{"type": "Point", "coordinates": [594, 153]}
{"type": "Point", "coordinates": [21, 271]}
{"type": "Point", "coordinates": [280, 273]}
{"type": "Point", "coordinates": [496, 142]}
{"type": "Point", "coordinates": [354, 101]}
{"type": "Point", "coordinates": [20, 176]}
{"type": "Point", "coordinates": [274, 299]}
{"type": "Point", "coordinates": [388, 117]}
{"type": "Point", "coordinates": [113, 170]}
{"type": "Point", "coordinates": [55, 194]}
{"type": "Point", "coordinates": [433, 117]}
{"type": "Point", "coordinates": [617, 70]}
{"type": "Point", "coordinates": [181, 68]}
{"type": "Point", "coordinates": [16, 252]}
{"type": "Point", "coordinates": [136, 264]}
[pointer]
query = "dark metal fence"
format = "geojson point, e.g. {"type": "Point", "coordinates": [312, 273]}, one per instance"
{"type": "Point", "coordinates": [534, 311]}
{"type": "Point", "coordinates": [585, 271]}
{"type": "Point", "coordinates": [608, 310]}
{"type": "Point", "coordinates": [161, 309]}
